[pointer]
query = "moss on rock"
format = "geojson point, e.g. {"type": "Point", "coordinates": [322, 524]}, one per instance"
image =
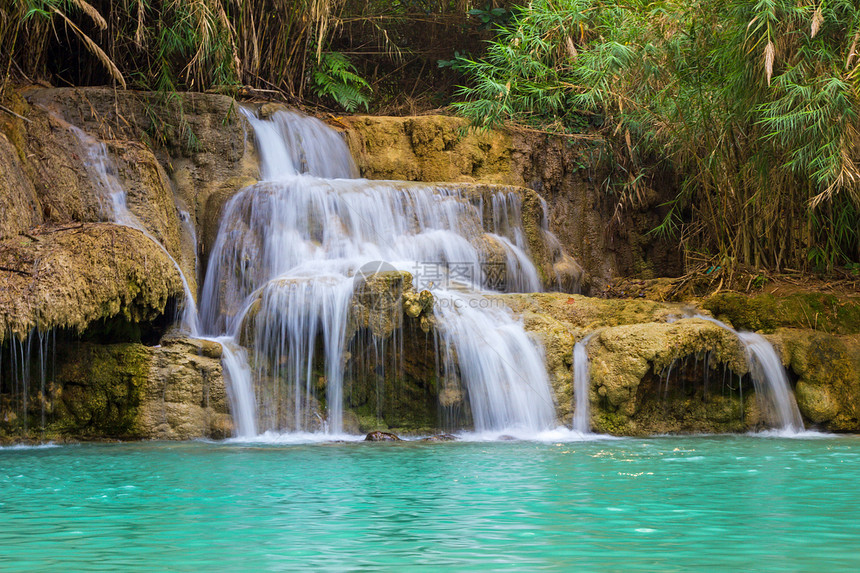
{"type": "Point", "coordinates": [19, 206]}
{"type": "Point", "coordinates": [98, 390]}
{"type": "Point", "coordinates": [828, 371]}
{"type": "Point", "coordinates": [766, 312]}
{"type": "Point", "coordinates": [428, 148]}
{"type": "Point", "coordinates": [70, 277]}
{"type": "Point", "coordinates": [118, 391]}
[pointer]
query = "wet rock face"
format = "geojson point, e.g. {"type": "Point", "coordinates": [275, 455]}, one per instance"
{"type": "Point", "coordinates": [827, 368]}
{"type": "Point", "coordinates": [50, 157]}
{"type": "Point", "coordinates": [69, 277]}
{"type": "Point", "coordinates": [64, 271]}
{"type": "Point", "coordinates": [202, 137]}
{"type": "Point", "coordinates": [197, 147]}
{"type": "Point", "coordinates": [83, 390]}
{"type": "Point", "coordinates": [149, 196]}
{"type": "Point", "coordinates": [632, 368]}
{"type": "Point", "coordinates": [654, 372]}
{"type": "Point", "coordinates": [651, 370]}
{"type": "Point", "coordinates": [389, 367]}
{"type": "Point", "coordinates": [185, 396]}
{"type": "Point", "coordinates": [381, 437]}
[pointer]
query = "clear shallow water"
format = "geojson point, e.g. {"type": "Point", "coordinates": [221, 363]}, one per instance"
{"type": "Point", "coordinates": [667, 504]}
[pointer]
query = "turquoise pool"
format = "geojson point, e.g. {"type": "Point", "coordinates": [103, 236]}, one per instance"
{"type": "Point", "coordinates": [727, 503]}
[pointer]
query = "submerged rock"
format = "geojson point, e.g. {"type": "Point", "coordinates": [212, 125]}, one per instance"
{"type": "Point", "coordinates": [441, 438]}
{"type": "Point", "coordinates": [381, 437]}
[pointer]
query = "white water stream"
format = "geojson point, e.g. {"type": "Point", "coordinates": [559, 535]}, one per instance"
{"type": "Point", "coordinates": [103, 173]}
{"type": "Point", "coordinates": [284, 267]}
{"type": "Point", "coordinates": [581, 386]}
{"type": "Point", "coordinates": [769, 378]}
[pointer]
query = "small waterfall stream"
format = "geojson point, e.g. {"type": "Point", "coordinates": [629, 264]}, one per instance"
{"type": "Point", "coordinates": [769, 378]}
{"type": "Point", "coordinates": [103, 173]}
{"type": "Point", "coordinates": [285, 264]}
{"type": "Point", "coordinates": [581, 386]}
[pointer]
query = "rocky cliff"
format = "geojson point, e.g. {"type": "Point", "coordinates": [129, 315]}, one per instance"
{"type": "Point", "coordinates": [84, 301]}
{"type": "Point", "coordinates": [87, 307]}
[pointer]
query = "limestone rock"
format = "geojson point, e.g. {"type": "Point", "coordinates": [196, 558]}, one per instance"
{"type": "Point", "coordinates": [828, 371]}
{"type": "Point", "coordinates": [122, 391]}
{"type": "Point", "coordinates": [149, 196]}
{"type": "Point", "coordinates": [201, 141]}
{"type": "Point", "coordinates": [427, 148]}
{"type": "Point", "coordinates": [19, 206]}
{"type": "Point", "coordinates": [69, 277]}
{"type": "Point", "coordinates": [184, 396]}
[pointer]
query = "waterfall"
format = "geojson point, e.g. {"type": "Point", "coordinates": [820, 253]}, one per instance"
{"type": "Point", "coordinates": [769, 378]}
{"type": "Point", "coordinates": [283, 272]}
{"type": "Point", "coordinates": [103, 173]}
{"type": "Point", "coordinates": [34, 352]}
{"type": "Point", "coordinates": [581, 386]}
{"type": "Point", "coordinates": [235, 363]}
{"type": "Point", "coordinates": [498, 364]}
{"type": "Point", "coordinates": [771, 382]}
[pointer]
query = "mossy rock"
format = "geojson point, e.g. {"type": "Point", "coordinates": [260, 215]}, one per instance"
{"type": "Point", "coordinates": [100, 390]}
{"type": "Point", "coordinates": [766, 312]}
{"type": "Point", "coordinates": [828, 371]}
{"type": "Point", "coordinates": [74, 276]}
{"type": "Point", "coordinates": [815, 402]}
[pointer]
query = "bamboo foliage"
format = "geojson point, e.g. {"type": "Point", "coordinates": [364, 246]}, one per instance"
{"type": "Point", "coordinates": [177, 44]}
{"type": "Point", "coordinates": [754, 103]}
{"type": "Point", "coordinates": [203, 45]}
{"type": "Point", "coordinates": [91, 45]}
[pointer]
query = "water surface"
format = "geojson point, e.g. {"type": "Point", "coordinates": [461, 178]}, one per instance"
{"type": "Point", "coordinates": [663, 504]}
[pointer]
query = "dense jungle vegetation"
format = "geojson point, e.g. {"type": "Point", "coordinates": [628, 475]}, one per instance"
{"type": "Point", "coordinates": [752, 104]}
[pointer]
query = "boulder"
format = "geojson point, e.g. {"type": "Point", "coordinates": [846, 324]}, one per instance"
{"type": "Point", "coordinates": [381, 437]}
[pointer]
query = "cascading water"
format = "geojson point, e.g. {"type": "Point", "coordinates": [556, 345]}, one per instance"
{"type": "Point", "coordinates": [771, 381]}
{"type": "Point", "coordinates": [235, 362]}
{"type": "Point", "coordinates": [769, 378]}
{"type": "Point", "coordinates": [283, 270]}
{"type": "Point", "coordinates": [102, 171]}
{"type": "Point", "coordinates": [23, 355]}
{"type": "Point", "coordinates": [581, 386]}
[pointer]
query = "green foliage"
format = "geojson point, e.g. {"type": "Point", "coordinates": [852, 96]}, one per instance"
{"type": "Point", "coordinates": [490, 16]}
{"type": "Point", "coordinates": [273, 47]}
{"type": "Point", "coordinates": [335, 77]}
{"type": "Point", "coordinates": [456, 63]}
{"type": "Point", "coordinates": [753, 103]}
